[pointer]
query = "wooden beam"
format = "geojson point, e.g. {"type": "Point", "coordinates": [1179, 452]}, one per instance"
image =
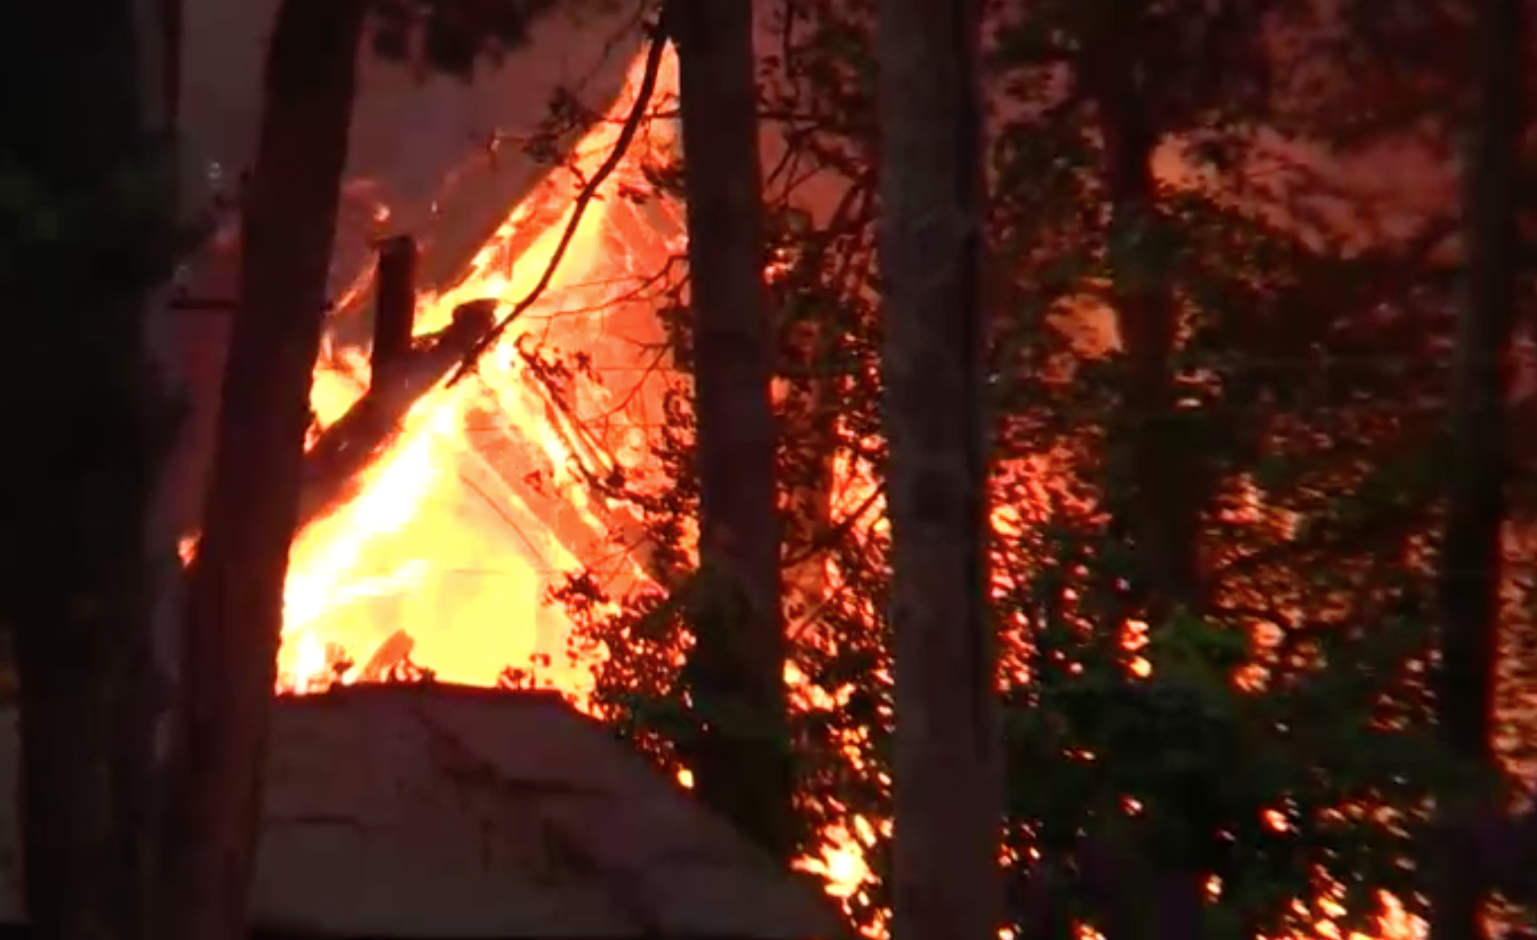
{"type": "Point", "coordinates": [394, 308]}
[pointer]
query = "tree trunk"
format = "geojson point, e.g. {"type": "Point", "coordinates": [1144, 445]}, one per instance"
{"type": "Point", "coordinates": [236, 603]}
{"type": "Point", "coordinates": [947, 772]}
{"type": "Point", "coordinates": [1157, 512]}
{"type": "Point", "coordinates": [1470, 551]}
{"type": "Point", "coordinates": [741, 760]}
{"type": "Point", "coordinates": [83, 549]}
{"type": "Point", "coordinates": [1154, 490]}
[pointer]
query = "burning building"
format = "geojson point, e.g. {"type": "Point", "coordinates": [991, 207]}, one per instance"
{"type": "Point", "coordinates": [437, 517]}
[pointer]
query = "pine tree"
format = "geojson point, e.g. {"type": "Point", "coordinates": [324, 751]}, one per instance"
{"type": "Point", "coordinates": [740, 757]}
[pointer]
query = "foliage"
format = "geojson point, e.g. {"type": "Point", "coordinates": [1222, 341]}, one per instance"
{"type": "Point", "coordinates": [1275, 732]}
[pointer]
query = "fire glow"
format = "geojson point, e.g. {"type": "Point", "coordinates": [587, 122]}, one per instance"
{"type": "Point", "coordinates": [429, 547]}
{"type": "Point", "coordinates": [419, 549]}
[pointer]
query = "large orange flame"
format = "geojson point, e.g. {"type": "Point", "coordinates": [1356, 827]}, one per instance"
{"type": "Point", "coordinates": [435, 543]}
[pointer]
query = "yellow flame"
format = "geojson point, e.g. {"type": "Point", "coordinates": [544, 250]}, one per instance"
{"type": "Point", "coordinates": [417, 549]}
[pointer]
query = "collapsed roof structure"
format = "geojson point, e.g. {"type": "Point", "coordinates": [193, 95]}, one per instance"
{"type": "Point", "coordinates": [512, 504]}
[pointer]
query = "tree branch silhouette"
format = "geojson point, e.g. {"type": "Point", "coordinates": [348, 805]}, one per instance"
{"type": "Point", "coordinates": [584, 198]}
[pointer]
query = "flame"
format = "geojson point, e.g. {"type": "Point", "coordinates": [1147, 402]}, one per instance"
{"type": "Point", "coordinates": [417, 549]}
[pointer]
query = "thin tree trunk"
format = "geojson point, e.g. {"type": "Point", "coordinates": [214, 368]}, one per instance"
{"type": "Point", "coordinates": [947, 771]}
{"type": "Point", "coordinates": [1155, 495]}
{"type": "Point", "coordinates": [82, 548]}
{"type": "Point", "coordinates": [1470, 559]}
{"type": "Point", "coordinates": [809, 422]}
{"type": "Point", "coordinates": [236, 602]}
{"type": "Point", "coordinates": [1158, 513]}
{"type": "Point", "coordinates": [741, 762]}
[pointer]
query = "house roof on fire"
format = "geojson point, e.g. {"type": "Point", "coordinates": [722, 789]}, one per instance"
{"type": "Point", "coordinates": [436, 812]}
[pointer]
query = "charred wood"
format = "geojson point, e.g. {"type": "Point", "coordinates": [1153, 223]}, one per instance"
{"type": "Point", "coordinates": [333, 466]}
{"type": "Point", "coordinates": [394, 307]}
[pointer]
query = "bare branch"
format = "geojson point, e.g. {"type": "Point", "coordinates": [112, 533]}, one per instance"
{"type": "Point", "coordinates": [584, 198]}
